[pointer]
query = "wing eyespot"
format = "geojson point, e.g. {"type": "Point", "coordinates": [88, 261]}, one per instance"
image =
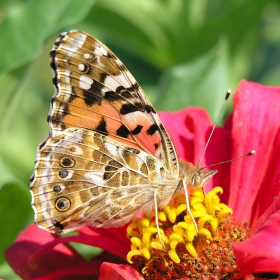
{"type": "Point", "coordinates": [62, 204]}
{"type": "Point", "coordinates": [57, 189]}
{"type": "Point", "coordinates": [102, 122]}
{"type": "Point", "coordinates": [67, 162]}
{"type": "Point", "coordinates": [63, 174]}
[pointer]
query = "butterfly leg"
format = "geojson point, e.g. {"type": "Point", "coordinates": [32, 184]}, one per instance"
{"type": "Point", "coordinates": [156, 219]}
{"type": "Point", "coordinates": [188, 205]}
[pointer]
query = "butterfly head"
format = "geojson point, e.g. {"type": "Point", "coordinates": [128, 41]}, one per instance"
{"type": "Point", "coordinates": [200, 177]}
{"type": "Point", "coordinates": [196, 177]}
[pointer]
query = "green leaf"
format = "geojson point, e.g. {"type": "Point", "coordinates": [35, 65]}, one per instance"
{"type": "Point", "coordinates": [202, 82]}
{"type": "Point", "coordinates": [6, 175]}
{"type": "Point", "coordinates": [25, 28]}
{"type": "Point", "coordinates": [272, 77]}
{"type": "Point", "coordinates": [7, 272]}
{"type": "Point", "coordinates": [170, 32]}
{"type": "Point", "coordinates": [16, 213]}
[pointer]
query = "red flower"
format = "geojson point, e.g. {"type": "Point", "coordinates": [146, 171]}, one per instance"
{"type": "Point", "coordinates": [251, 187]}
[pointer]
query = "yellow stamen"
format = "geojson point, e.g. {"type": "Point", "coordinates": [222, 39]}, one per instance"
{"type": "Point", "coordinates": [162, 216]}
{"type": "Point", "coordinates": [206, 233]}
{"type": "Point", "coordinates": [174, 257]}
{"type": "Point", "coordinates": [146, 253]}
{"type": "Point", "coordinates": [157, 245]}
{"type": "Point", "coordinates": [181, 208]}
{"type": "Point", "coordinates": [191, 249]}
{"type": "Point", "coordinates": [179, 240]}
{"type": "Point", "coordinates": [172, 215]}
{"type": "Point", "coordinates": [136, 241]}
{"type": "Point", "coordinates": [132, 254]}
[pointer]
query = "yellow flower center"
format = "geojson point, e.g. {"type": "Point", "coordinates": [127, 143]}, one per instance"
{"type": "Point", "coordinates": [186, 252]}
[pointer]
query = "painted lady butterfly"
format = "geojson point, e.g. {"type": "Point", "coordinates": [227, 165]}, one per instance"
{"type": "Point", "coordinates": [107, 155]}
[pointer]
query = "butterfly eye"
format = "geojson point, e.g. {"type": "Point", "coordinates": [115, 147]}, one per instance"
{"type": "Point", "coordinates": [62, 204]}
{"type": "Point", "coordinates": [196, 180]}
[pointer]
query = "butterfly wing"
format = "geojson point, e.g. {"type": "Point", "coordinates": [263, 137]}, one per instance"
{"type": "Point", "coordinates": [85, 178]}
{"type": "Point", "coordinates": [107, 152]}
{"type": "Point", "coordinates": [94, 90]}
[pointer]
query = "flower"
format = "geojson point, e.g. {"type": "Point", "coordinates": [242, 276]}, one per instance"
{"type": "Point", "coordinates": [251, 187]}
{"type": "Point", "coordinates": [179, 250]}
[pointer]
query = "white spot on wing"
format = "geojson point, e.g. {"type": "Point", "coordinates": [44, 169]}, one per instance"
{"type": "Point", "coordinates": [124, 79]}
{"type": "Point", "coordinates": [66, 93]}
{"type": "Point", "coordinates": [82, 37]}
{"type": "Point", "coordinates": [87, 56]}
{"type": "Point", "coordinates": [99, 49]}
{"type": "Point", "coordinates": [74, 45]}
{"type": "Point", "coordinates": [85, 82]}
{"type": "Point", "coordinates": [94, 177]}
{"type": "Point", "coordinates": [111, 83]}
{"type": "Point", "coordinates": [47, 162]}
{"type": "Point", "coordinates": [67, 76]}
{"type": "Point", "coordinates": [81, 67]}
{"type": "Point", "coordinates": [111, 148]}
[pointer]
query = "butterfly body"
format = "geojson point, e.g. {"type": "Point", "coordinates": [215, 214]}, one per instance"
{"type": "Point", "coordinates": [107, 155]}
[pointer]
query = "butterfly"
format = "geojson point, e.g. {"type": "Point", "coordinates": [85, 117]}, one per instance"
{"type": "Point", "coordinates": [107, 155]}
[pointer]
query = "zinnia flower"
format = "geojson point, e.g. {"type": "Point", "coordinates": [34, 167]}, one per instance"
{"type": "Point", "coordinates": [251, 188]}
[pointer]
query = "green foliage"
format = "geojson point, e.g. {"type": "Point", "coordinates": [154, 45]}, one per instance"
{"type": "Point", "coordinates": [178, 85]}
{"type": "Point", "coordinates": [183, 53]}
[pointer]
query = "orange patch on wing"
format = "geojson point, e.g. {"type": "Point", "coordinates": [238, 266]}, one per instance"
{"type": "Point", "coordinates": [143, 138]}
{"type": "Point", "coordinates": [89, 117]}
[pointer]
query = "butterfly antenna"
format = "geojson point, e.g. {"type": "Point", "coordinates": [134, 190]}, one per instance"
{"type": "Point", "coordinates": [231, 160]}
{"type": "Point", "coordinates": [215, 125]}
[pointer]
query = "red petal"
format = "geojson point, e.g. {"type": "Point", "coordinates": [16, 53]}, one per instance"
{"type": "Point", "coordinates": [20, 255]}
{"type": "Point", "coordinates": [37, 253]}
{"type": "Point", "coordinates": [266, 278]}
{"type": "Point", "coordinates": [87, 270]}
{"type": "Point", "coordinates": [190, 130]}
{"type": "Point", "coordinates": [261, 253]}
{"type": "Point", "coordinates": [113, 240]}
{"type": "Point", "coordinates": [119, 272]}
{"type": "Point", "coordinates": [255, 125]}
{"type": "Point", "coordinates": [187, 129]}
{"type": "Point", "coordinates": [249, 184]}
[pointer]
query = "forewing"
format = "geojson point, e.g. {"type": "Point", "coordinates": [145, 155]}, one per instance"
{"type": "Point", "coordinates": [95, 91]}
{"type": "Point", "coordinates": [85, 178]}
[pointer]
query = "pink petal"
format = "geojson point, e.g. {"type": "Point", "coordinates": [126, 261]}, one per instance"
{"type": "Point", "coordinates": [20, 255]}
{"type": "Point", "coordinates": [87, 270]}
{"type": "Point", "coordinates": [251, 183]}
{"type": "Point", "coordinates": [113, 240]}
{"type": "Point", "coordinates": [266, 279]}
{"type": "Point", "coordinates": [37, 253]}
{"type": "Point", "coordinates": [255, 124]}
{"type": "Point", "coordinates": [261, 252]}
{"type": "Point", "coordinates": [189, 130]}
{"type": "Point", "coordinates": [119, 272]}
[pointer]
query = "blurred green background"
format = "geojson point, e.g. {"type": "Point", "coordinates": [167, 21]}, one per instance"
{"type": "Point", "coordinates": [182, 52]}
